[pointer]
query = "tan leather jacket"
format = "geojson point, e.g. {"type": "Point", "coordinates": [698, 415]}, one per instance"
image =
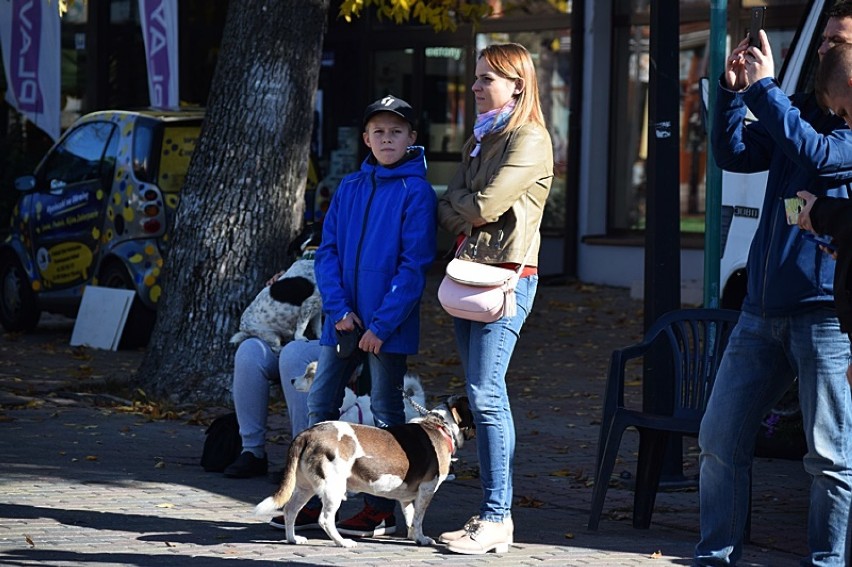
{"type": "Point", "coordinates": [504, 190]}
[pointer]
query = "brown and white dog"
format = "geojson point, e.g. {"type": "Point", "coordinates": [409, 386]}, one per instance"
{"type": "Point", "coordinates": [406, 463]}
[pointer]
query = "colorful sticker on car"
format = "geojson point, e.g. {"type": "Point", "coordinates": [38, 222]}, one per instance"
{"type": "Point", "coordinates": [64, 263]}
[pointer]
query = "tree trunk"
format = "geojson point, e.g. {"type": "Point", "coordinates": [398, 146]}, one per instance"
{"type": "Point", "coordinates": [243, 199]}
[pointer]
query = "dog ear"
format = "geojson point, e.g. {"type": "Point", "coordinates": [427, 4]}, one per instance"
{"type": "Point", "coordinates": [293, 290]}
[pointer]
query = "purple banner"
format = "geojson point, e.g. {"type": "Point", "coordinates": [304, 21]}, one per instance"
{"type": "Point", "coordinates": [24, 57]}
{"type": "Point", "coordinates": [159, 28]}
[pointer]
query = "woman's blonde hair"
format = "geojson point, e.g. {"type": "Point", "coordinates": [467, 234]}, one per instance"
{"type": "Point", "coordinates": [513, 61]}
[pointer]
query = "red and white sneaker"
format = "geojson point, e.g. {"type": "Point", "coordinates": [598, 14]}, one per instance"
{"type": "Point", "coordinates": [369, 522]}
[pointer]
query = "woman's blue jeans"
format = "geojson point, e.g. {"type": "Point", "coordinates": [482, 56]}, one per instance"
{"type": "Point", "coordinates": [387, 373]}
{"type": "Point", "coordinates": [485, 350]}
{"type": "Point", "coordinates": [761, 360]}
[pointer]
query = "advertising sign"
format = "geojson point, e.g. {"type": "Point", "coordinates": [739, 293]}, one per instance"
{"type": "Point", "coordinates": [29, 36]}
{"type": "Point", "coordinates": [160, 33]}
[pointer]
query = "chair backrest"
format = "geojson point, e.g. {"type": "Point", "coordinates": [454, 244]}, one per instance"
{"type": "Point", "coordinates": [697, 339]}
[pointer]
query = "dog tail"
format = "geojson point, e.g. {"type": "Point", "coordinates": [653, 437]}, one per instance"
{"type": "Point", "coordinates": [239, 337]}
{"type": "Point", "coordinates": [288, 481]}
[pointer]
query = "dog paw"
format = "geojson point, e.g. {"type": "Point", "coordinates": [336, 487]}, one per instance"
{"type": "Point", "coordinates": [425, 540]}
{"type": "Point", "coordinates": [348, 543]}
{"type": "Point", "coordinates": [299, 540]}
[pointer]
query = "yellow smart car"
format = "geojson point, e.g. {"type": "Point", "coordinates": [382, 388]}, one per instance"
{"type": "Point", "coordinates": [97, 210]}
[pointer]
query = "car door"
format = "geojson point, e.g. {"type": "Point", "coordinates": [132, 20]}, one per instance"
{"type": "Point", "coordinates": [67, 209]}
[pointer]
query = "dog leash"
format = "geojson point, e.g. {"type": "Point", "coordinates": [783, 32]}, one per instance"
{"type": "Point", "coordinates": [360, 411]}
{"type": "Point", "coordinates": [420, 409]}
{"type": "Point", "coordinates": [423, 411]}
{"type": "Point", "coordinates": [417, 407]}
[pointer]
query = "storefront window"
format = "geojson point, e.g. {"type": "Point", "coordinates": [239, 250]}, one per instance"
{"type": "Point", "coordinates": [629, 115]}
{"type": "Point", "coordinates": [437, 88]}
{"type": "Point", "coordinates": [393, 73]}
{"type": "Point", "coordinates": [551, 51]}
{"type": "Point", "coordinates": [444, 90]}
{"type": "Point", "coordinates": [73, 63]}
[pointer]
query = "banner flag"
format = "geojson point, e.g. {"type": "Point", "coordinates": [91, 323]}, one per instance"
{"type": "Point", "coordinates": [30, 40]}
{"type": "Point", "coordinates": [160, 33]}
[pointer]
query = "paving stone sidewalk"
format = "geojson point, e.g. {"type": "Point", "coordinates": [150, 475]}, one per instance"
{"type": "Point", "coordinates": [87, 482]}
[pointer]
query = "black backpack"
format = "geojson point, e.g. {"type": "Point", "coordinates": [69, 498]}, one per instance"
{"type": "Point", "coordinates": [223, 443]}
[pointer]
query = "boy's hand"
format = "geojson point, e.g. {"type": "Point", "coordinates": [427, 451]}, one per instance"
{"type": "Point", "coordinates": [370, 342]}
{"type": "Point", "coordinates": [805, 214]}
{"type": "Point", "coordinates": [759, 62]}
{"type": "Point", "coordinates": [348, 323]}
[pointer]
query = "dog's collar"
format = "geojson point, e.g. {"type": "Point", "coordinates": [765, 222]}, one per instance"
{"type": "Point", "coordinates": [309, 253]}
{"type": "Point", "coordinates": [448, 438]}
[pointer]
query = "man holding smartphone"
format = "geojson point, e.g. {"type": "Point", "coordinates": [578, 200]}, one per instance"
{"type": "Point", "coordinates": [788, 326]}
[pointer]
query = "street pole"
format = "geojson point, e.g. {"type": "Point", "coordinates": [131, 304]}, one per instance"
{"type": "Point", "coordinates": [662, 227]}
{"type": "Point", "coordinates": [713, 192]}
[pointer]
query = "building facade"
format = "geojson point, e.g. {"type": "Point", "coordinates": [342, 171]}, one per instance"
{"type": "Point", "coordinates": [594, 69]}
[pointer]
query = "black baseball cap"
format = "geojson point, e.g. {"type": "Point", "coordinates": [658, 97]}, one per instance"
{"type": "Point", "coordinates": [390, 103]}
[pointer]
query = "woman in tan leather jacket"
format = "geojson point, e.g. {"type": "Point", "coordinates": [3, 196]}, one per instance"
{"type": "Point", "coordinates": [494, 204]}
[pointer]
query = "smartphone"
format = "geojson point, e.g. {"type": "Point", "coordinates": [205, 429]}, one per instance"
{"type": "Point", "coordinates": [757, 16]}
{"type": "Point", "coordinates": [792, 207]}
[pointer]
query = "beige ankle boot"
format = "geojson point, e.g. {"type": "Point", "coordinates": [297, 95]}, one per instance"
{"type": "Point", "coordinates": [483, 537]}
{"type": "Point", "coordinates": [447, 537]}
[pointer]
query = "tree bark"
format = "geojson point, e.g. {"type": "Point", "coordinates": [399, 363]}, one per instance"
{"type": "Point", "coordinates": [243, 199]}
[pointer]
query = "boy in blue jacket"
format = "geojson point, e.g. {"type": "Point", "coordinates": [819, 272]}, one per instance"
{"type": "Point", "coordinates": [378, 242]}
{"type": "Point", "coordinates": [788, 326]}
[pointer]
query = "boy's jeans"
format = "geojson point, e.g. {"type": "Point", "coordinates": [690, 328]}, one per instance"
{"type": "Point", "coordinates": [485, 350]}
{"type": "Point", "coordinates": [762, 358]}
{"type": "Point", "coordinates": [387, 372]}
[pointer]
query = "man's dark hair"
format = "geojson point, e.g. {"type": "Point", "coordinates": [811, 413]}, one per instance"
{"type": "Point", "coordinates": [840, 9]}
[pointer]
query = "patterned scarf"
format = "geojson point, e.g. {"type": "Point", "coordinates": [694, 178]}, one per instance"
{"type": "Point", "coordinates": [490, 122]}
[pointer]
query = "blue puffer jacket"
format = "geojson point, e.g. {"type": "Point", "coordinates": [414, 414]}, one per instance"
{"type": "Point", "coordinates": [803, 147]}
{"type": "Point", "coordinates": [379, 232]}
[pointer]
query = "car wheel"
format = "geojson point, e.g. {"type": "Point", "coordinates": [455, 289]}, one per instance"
{"type": "Point", "coordinates": [140, 320]}
{"type": "Point", "coordinates": [18, 309]}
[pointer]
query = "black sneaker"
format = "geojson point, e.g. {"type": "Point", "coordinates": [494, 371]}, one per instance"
{"type": "Point", "coordinates": [247, 466]}
{"type": "Point", "coordinates": [369, 522]}
{"type": "Point", "coordinates": [306, 519]}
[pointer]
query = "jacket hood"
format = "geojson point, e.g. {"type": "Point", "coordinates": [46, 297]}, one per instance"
{"type": "Point", "coordinates": [412, 164]}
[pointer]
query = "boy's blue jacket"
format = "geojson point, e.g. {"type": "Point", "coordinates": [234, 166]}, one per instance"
{"type": "Point", "coordinates": [803, 147]}
{"type": "Point", "coordinates": [380, 230]}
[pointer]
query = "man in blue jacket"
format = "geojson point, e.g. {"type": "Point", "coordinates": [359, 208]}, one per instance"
{"type": "Point", "coordinates": [378, 242]}
{"type": "Point", "coordinates": [788, 326]}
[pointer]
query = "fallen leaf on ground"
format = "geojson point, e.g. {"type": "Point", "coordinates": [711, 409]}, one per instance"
{"type": "Point", "coordinates": [530, 502]}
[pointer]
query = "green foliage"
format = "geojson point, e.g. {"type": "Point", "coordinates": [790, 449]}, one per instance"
{"type": "Point", "coordinates": [442, 15]}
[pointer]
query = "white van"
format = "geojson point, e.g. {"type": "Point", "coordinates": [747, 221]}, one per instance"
{"type": "Point", "coordinates": [742, 197]}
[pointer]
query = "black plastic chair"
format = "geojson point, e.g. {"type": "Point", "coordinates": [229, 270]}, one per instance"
{"type": "Point", "coordinates": [695, 340]}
